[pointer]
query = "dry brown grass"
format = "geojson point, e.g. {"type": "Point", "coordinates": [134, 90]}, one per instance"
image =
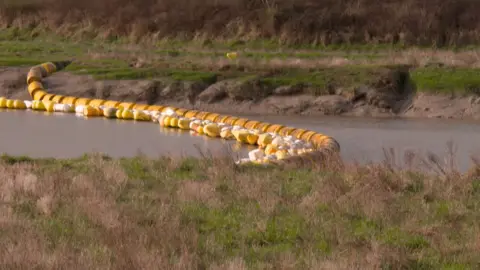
{"type": "Point", "coordinates": [419, 58]}
{"type": "Point", "coordinates": [432, 22]}
{"type": "Point", "coordinates": [98, 213]}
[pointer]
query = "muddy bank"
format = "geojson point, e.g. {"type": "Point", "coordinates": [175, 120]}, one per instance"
{"type": "Point", "coordinates": [393, 94]}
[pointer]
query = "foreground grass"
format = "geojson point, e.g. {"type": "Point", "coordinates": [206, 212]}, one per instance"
{"type": "Point", "coordinates": [98, 213]}
{"type": "Point", "coordinates": [431, 70]}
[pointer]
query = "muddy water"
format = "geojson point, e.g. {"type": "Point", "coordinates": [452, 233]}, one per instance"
{"type": "Point", "coordinates": [363, 140]}
{"type": "Point", "coordinates": [67, 135]}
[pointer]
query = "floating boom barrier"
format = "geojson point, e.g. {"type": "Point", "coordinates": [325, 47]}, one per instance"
{"type": "Point", "coordinates": [277, 144]}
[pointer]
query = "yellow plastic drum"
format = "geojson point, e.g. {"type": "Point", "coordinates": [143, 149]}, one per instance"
{"type": "Point", "coordinates": [156, 108]}
{"type": "Point", "coordinates": [298, 132]}
{"type": "Point", "coordinates": [262, 126]}
{"type": "Point", "coordinates": [240, 122]}
{"type": "Point", "coordinates": [126, 105]}
{"type": "Point", "coordinates": [213, 117]}
{"type": "Point", "coordinates": [38, 95]}
{"type": "Point", "coordinates": [111, 104]}
{"type": "Point", "coordinates": [97, 102]}
{"type": "Point", "coordinates": [202, 115]}
{"type": "Point", "coordinates": [223, 118]}
{"type": "Point", "coordinates": [274, 128]}
{"type": "Point", "coordinates": [286, 131]}
{"type": "Point", "coordinates": [10, 104]}
{"type": "Point", "coordinates": [140, 107]}
{"type": "Point", "coordinates": [19, 104]}
{"type": "Point", "coordinates": [49, 67]}
{"type": "Point", "coordinates": [318, 139]}
{"type": "Point", "coordinates": [231, 120]}
{"type": "Point", "coordinates": [91, 111]}
{"type": "Point", "coordinates": [48, 97]}
{"type": "Point", "coordinates": [82, 101]}
{"type": "Point", "coordinates": [34, 86]}
{"type": "Point", "coordinates": [251, 124]}
{"type": "Point", "coordinates": [307, 135]}
{"type": "Point", "coordinates": [191, 113]}
{"type": "Point", "coordinates": [181, 111]}
{"type": "Point", "coordinates": [34, 75]}
{"type": "Point", "coordinates": [58, 98]}
{"type": "Point", "coordinates": [69, 100]}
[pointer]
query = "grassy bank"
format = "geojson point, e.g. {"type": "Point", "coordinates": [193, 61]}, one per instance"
{"type": "Point", "coordinates": [98, 213]}
{"type": "Point", "coordinates": [321, 71]}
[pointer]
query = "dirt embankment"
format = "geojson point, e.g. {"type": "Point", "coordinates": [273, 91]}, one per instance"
{"type": "Point", "coordinates": [326, 22]}
{"type": "Point", "coordinates": [392, 94]}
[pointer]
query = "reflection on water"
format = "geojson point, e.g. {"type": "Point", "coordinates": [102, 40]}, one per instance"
{"type": "Point", "coordinates": [363, 139]}
{"type": "Point", "coordinates": [43, 134]}
{"type": "Point", "coordinates": [67, 135]}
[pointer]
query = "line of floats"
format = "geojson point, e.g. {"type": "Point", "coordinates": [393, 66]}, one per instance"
{"type": "Point", "coordinates": [277, 144]}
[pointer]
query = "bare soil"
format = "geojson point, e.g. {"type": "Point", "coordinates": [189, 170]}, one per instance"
{"type": "Point", "coordinates": [390, 96]}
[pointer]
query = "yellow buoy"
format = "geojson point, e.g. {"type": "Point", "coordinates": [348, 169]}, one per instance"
{"type": "Point", "coordinates": [281, 154]}
{"type": "Point", "coordinates": [199, 129]}
{"type": "Point", "coordinates": [174, 122]}
{"type": "Point", "coordinates": [212, 130]}
{"type": "Point", "coordinates": [111, 103]}
{"type": "Point", "coordinates": [49, 67]}
{"type": "Point", "coordinates": [264, 139]}
{"type": "Point", "coordinates": [19, 104]}
{"type": "Point", "coordinates": [127, 114]}
{"type": "Point", "coordinates": [49, 106]}
{"type": "Point", "coordinates": [38, 105]}
{"type": "Point", "coordinates": [232, 55]}
{"type": "Point", "coordinates": [140, 107]}
{"type": "Point", "coordinates": [165, 121]}
{"type": "Point", "coordinates": [72, 101]}
{"type": "Point", "coordinates": [109, 112]}
{"type": "Point", "coordinates": [227, 134]}
{"type": "Point", "coordinates": [58, 98]}
{"type": "Point", "coordinates": [91, 111]}
{"type": "Point", "coordinates": [3, 102]}
{"type": "Point", "coordinates": [48, 97]}
{"type": "Point", "coordinates": [184, 123]}
{"type": "Point", "coordinates": [270, 149]}
{"type": "Point", "coordinates": [118, 113]}
{"type": "Point", "coordinates": [39, 94]}
{"type": "Point", "coordinates": [141, 116]}
{"type": "Point", "coordinates": [241, 135]}
{"type": "Point", "coordinates": [126, 105]}
{"type": "Point", "coordinates": [34, 75]}
{"type": "Point", "coordinates": [10, 103]}
{"type": "Point", "coordinates": [81, 101]}
{"type": "Point", "coordinates": [156, 108]}
{"type": "Point", "coordinates": [97, 102]}
{"type": "Point", "coordinates": [34, 86]}
{"type": "Point", "coordinates": [252, 138]}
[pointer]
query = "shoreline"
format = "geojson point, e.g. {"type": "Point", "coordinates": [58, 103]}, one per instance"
{"type": "Point", "coordinates": [235, 96]}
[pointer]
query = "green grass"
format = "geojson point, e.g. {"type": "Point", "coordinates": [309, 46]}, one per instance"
{"type": "Point", "coordinates": [188, 62]}
{"type": "Point", "coordinates": [202, 213]}
{"type": "Point", "coordinates": [448, 79]}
